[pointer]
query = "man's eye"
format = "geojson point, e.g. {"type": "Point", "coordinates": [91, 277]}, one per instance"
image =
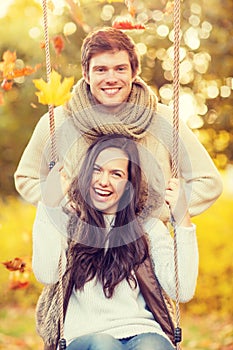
{"type": "Point", "coordinates": [122, 69]}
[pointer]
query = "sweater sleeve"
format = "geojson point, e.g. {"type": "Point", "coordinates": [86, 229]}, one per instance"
{"type": "Point", "coordinates": [33, 166]}
{"type": "Point", "coordinates": [162, 254]}
{"type": "Point", "coordinates": [203, 181]}
{"type": "Point", "coordinates": [49, 243]}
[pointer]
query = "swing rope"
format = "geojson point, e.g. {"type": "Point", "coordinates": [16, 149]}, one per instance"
{"type": "Point", "coordinates": [48, 73]}
{"type": "Point", "coordinates": [174, 157]}
{"type": "Point", "coordinates": [62, 341]}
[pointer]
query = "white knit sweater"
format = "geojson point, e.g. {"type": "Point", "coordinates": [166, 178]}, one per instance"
{"type": "Point", "coordinates": [125, 314]}
{"type": "Point", "coordinates": [203, 183]}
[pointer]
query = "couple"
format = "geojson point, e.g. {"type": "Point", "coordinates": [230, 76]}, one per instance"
{"type": "Point", "coordinates": [118, 257]}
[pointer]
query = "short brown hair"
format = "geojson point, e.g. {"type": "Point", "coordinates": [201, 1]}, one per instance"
{"type": "Point", "coordinates": [109, 39]}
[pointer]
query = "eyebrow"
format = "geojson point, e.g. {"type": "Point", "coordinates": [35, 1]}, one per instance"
{"type": "Point", "coordinates": [112, 171]}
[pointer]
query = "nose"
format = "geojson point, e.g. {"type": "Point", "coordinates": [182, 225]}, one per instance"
{"type": "Point", "coordinates": [111, 76]}
{"type": "Point", "coordinates": [104, 179]}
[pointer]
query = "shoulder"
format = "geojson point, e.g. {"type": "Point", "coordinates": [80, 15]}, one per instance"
{"type": "Point", "coordinates": [60, 116]}
{"type": "Point", "coordinates": [165, 111]}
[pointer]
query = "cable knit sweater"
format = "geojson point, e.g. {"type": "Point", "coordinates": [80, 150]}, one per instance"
{"type": "Point", "coordinates": [125, 314]}
{"type": "Point", "coordinates": [148, 122]}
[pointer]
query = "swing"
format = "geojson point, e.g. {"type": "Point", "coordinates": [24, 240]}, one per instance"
{"type": "Point", "coordinates": [174, 157]}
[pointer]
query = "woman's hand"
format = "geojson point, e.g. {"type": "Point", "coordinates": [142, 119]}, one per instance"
{"type": "Point", "coordinates": [176, 199]}
{"type": "Point", "coordinates": [55, 187]}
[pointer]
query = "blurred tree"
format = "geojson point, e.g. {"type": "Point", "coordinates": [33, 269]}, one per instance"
{"type": "Point", "coordinates": [205, 70]}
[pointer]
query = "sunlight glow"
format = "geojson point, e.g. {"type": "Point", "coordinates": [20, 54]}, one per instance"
{"type": "Point", "coordinates": [4, 7]}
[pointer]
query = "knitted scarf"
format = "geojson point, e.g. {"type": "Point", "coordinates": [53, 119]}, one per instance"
{"type": "Point", "coordinates": [131, 118]}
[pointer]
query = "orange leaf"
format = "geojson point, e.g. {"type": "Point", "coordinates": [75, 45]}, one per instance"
{"type": "Point", "coordinates": [42, 45]}
{"type": "Point", "coordinates": [7, 84]}
{"type": "Point", "coordinates": [17, 264]}
{"type": "Point", "coordinates": [1, 99]}
{"type": "Point", "coordinates": [18, 284]}
{"type": "Point", "coordinates": [16, 73]}
{"type": "Point", "coordinates": [126, 25]}
{"type": "Point", "coordinates": [8, 63]}
{"type": "Point", "coordinates": [58, 44]}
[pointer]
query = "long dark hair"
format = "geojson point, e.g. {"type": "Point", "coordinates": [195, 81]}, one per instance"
{"type": "Point", "coordinates": [126, 243]}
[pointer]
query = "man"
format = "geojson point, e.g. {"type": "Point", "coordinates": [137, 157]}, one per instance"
{"type": "Point", "coordinates": [111, 98]}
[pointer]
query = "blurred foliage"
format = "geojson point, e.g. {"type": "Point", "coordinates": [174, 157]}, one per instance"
{"type": "Point", "coordinates": [205, 70]}
{"type": "Point", "coordinates": [214, 227]}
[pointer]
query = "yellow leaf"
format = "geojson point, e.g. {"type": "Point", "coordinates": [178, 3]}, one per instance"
{"type": "Point", "coordinates": [54, 92]}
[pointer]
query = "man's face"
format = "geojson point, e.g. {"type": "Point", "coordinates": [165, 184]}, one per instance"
{"type": "Point", "coordinates": [110, 77]}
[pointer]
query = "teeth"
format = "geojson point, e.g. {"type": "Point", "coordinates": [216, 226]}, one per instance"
{"type": "Point", "coordinates": [102, 192]}
{"type": "Point", "coordinates": [111, 91]}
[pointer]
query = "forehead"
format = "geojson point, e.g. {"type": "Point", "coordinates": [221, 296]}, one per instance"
{"type": "Point", "coordinates": [110, 58]}
{"type": "Point", "coordinates": [112, 156]}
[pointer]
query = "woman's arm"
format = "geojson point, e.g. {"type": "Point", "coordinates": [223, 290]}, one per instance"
{"type": "Point", "coordinates": [162, 254]}
{"type": "Point", "coordinates": [50, 228]}
{"type": "Point", "coordinates": [49, 243]}
{"type": "Point", "coordinates": [162, 246]}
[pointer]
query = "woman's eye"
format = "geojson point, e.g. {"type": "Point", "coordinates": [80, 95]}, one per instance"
{"type": "Point", "coordinates": [117, 174]}
{"type": "Point", "coordinates": [96, 170]}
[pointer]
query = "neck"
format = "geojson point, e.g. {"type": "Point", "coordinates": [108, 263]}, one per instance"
{"type": "Point", "coordinates": [109, 220]}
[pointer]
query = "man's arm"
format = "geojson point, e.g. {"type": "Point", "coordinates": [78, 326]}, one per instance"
{"type": "Point", "coordinates": [33, 167]}
{"type": "Point", "coordinates": [203, 181]}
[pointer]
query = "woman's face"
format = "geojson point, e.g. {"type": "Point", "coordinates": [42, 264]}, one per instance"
{"type": "Point", "coordinates": [110, 176]}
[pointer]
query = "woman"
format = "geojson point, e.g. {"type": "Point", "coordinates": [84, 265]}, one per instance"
{"type": "Point", "coordinates": [110, 255]}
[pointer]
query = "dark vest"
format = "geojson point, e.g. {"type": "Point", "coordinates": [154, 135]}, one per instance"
{"type": "Point", "coordinates": [158, 303]}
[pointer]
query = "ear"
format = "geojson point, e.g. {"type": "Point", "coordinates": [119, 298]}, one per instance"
{"type": "Point", "coordinates": [85, 76]}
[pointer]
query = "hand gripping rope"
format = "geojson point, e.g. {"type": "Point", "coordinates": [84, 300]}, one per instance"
{"type": "Point", "coordinates": [175, 165]}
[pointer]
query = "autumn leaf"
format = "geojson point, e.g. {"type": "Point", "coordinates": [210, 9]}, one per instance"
{"type": "Point", "coordinates": [58, 44]}
{"type": "Point", "coordinates": [54, 92]}
{"type": "Point", "coordinates": [24, 71]}
{"type": "Point", "coordinates": [18, 280]}
{"type": "Point", "coordinates": [1, 99]}
{"type": "Point", "coordinates": [9, 72]}
{"type": "Point", "coordinates": [17, 264]}
{"type": "Point", "coordinates": [7, 84]}
{"type": "Point", "coordinates": [8, 63]}
{"type": "Point", "coordinates": [125, 24]}
{"type": "Point", "coordinates": [15, 284]}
